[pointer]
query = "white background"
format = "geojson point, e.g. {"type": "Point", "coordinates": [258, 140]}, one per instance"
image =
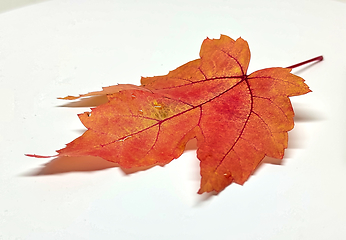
{"type": "Point", "coordinates": [51, 49]}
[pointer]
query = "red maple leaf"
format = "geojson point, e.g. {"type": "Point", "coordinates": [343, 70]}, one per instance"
{"type": "Point", "coordinates": [236, 118]}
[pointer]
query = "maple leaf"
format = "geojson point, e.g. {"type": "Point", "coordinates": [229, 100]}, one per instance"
{"type": "Point", "coordinates": [236, 118]}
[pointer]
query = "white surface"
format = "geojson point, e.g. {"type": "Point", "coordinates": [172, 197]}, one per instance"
{"type": "Point", "coordinates": [56, 48]}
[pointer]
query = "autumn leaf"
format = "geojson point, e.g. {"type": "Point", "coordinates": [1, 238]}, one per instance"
{"type": "Point", "coordinates": [236, 118]}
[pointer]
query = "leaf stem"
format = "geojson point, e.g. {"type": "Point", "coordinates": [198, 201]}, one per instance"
{"type": "Point", "coordinates": [319, 58]}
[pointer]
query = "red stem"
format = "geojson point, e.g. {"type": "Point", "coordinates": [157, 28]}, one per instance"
{"type": "Point", "coordinates": [319, 58]}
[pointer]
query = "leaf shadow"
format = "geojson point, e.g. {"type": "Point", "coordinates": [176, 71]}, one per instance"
{"type": "Point", "coordinates": [92, 101]}
{"type": "Point", "coordinates": [60, 165]}
{"type": "Point", "coordinates": [303, 113]}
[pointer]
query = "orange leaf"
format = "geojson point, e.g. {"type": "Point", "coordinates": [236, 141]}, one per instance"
{"type": "Point", "coordinates": [236, 118]}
